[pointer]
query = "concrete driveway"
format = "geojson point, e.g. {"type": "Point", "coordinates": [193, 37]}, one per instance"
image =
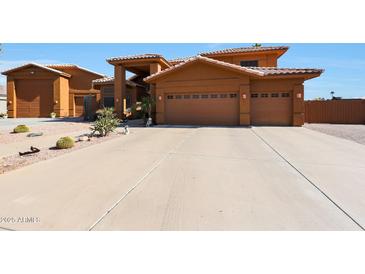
{"type": "Point", "coordinates": [167, 178]}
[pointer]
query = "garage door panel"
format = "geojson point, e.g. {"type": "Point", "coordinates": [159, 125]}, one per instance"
{"type": "Point", "coordinates": [271, 108]}
{"type": "Point", "coordinates": [34, 98]}
{"type": "Point", "coordinates": [202, 109]}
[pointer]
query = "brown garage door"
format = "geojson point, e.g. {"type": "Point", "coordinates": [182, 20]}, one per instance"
{"type": "Point", "coordinates": [34, 98]}
{"type": "Point", "coordinates": [219, 109]}
{"type": "Point", "coordinates": [271, 108]}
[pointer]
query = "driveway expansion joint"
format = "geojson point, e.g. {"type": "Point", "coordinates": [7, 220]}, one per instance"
{"type": "Point", "coordinates": [151, 170]}
{"type": "Point", "coordinates": [307, 179]}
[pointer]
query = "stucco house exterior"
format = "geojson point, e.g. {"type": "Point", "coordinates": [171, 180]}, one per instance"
{"type": "Point", "coordinates": [35, 90]}
{"type": "Point", "coordinates": [239, 86]}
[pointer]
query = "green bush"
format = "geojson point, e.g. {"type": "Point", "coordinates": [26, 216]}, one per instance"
{"type": "Point", "coordinates": [21, 129]}
{"type": "Point", "coordinates": [65, 142]}
{"type": "Point", "coordinates": [106, 122]}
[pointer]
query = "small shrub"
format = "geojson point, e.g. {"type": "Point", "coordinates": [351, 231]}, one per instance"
{"type": "Point", "coordinates": [52, 115]}
{"type": "Point", "coordinates": [21, 129]}
{"type": "Point", "coordinates": [106, 122]}
{"type": "Point", "coordinates": [65, 142]}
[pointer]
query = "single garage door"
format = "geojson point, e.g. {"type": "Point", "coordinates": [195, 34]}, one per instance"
{"type": "Point", "coordinates": [271, 108]}
{"type": "Point", "coordinates": [34, 98]}
{"type": "Point", "coordinates": [219, 109]}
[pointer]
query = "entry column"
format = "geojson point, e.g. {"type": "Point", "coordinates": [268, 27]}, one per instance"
{"type": "Point", "coordinates": [119, 90]}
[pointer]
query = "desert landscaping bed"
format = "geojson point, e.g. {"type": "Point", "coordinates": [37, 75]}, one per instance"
{"type": "Point", "coordinates": [15, 161]}
{"type": "Point", "coordinates": [6, 136]}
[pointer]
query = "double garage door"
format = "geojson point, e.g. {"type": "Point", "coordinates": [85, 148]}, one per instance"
{"type": "Point", "coordinates": [219, 109]}
{"type": "Point", "coordinates": [34, 98]}
{"type": "Point", "coordinates": [222, 109]}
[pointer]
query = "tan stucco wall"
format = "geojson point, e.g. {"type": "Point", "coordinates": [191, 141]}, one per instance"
{"type": "Point", "coordinates": [61, 97]}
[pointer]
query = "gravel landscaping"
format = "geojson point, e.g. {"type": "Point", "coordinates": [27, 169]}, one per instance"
{"type": "Point", "coordinates": [48, 129]}
{"type": "Point", "coordinates": [354, 133]}
{"type": "Point", "coordinates": [15, 161]}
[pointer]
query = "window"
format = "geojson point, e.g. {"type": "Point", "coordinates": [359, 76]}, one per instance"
{"type": "Point", "coordinates": [223, 95]}
{"type": "Point", "coordinates": [195, 96]}
{"type": "Point", "coordinates": [254, 95]}
{"type": "Point", "coordinates": [274, 94]}
{"type": "Point", "coordinates": [214, 96]}
{"type": "Point", "coordinates": [205, 96]}
{"type": "Point", "coordinates": [233, 95]}
{"type": "Point", "coordinates": [178, 96]}
{"type": "Point", "coordinates": [250, 63]}
{"type": "Point", "coordinates": [170, 97]}
{"type": "Point", "coordinates": [285, 94]}
{"type": "Point", "coordinates": [186, 96]}
{"type": "Point", "coordinates": [108, 102]}
{"type": "Point", "coordinates": [264, 95]}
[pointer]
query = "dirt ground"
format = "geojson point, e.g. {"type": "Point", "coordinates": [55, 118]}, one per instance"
{"type": "Point", "coordinates": [354, 133]}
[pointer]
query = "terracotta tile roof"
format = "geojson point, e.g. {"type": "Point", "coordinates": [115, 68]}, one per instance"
{"type": "Point", "coordinates": [61, 66]}
{"type": "Point", "coordinates": [179, 60]}
{"type": "Point", "coordinates": [110, 80]}
{"type": "Point", "coordinates": [286, 71]}
{"type": "Point", "coordinates": [39, 66]}
{"type": "Point", "coordinates": [244, 49]}
{"type": "Point", "coordinates": [256, 71]}
{"type": "Point", "coordinates": [135, 57]}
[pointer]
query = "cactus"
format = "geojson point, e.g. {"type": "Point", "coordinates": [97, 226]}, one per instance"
{"type": "Point", "coordinates": [65, 142]}
{"type": "Point", "coordinates": [21, 129]}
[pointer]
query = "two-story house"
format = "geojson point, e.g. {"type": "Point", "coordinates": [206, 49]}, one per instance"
{"type": "Point", "coordinates": [239, 86]}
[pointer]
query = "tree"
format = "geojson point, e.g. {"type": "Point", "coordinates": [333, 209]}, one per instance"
{"type": "Point", "coordinates": [256, 45]}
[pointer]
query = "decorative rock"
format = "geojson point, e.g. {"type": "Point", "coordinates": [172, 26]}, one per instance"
{"type": "Point", "coordinates": [35, 134]}
{"type": "Point", "coordinates": [83, 138]}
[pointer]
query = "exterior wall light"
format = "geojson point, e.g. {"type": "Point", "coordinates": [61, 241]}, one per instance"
{"type": "Point", "coordinates": [56, 102]}
{"type": "Point", "coordinates": [299, 95]}
{"type": "Point", "coordinates": [10, 102]}
{"type": "Point", "coordinates": [244, 96]}
{"type": "Point", "coordinates": [117, 100]}
{"type": "Point", "coordinates": [159, 97]}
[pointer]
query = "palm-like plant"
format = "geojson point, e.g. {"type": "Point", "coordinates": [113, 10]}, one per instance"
{"type": "Point", "coordinates": [147, 104]}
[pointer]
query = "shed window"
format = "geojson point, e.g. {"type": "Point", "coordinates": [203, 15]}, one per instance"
{"type": "Point", "coordinates": [214, 96]}
{"type": "Point", "coordinates": [170, 97]}
{"type": "Point", "coordinates": [233, 95]}
{"type": "Point", "coordinates": [223, 95]}
{"type": "Point", "coordinates": [195, 96]}
{"type": "Point", "coordinates": [205, 96]}
{"type": "Point", "coordinates": [254, 95]}
{"type": "Point", "coordinates": [249, 63]}
{"type": "Point", "coordinates": [285, 94]}
{"type": "Point", "coordinates": [186, 96]}
{"type": "Point", "coordinates": [274, 94]}
{"type": "Point", "coordinates": [178, 97]}
{"type": "Point", "coordinates": [264, 95]}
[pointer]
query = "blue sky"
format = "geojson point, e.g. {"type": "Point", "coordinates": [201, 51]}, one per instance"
{"type": "Point", "coordinates": [344, 64]}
